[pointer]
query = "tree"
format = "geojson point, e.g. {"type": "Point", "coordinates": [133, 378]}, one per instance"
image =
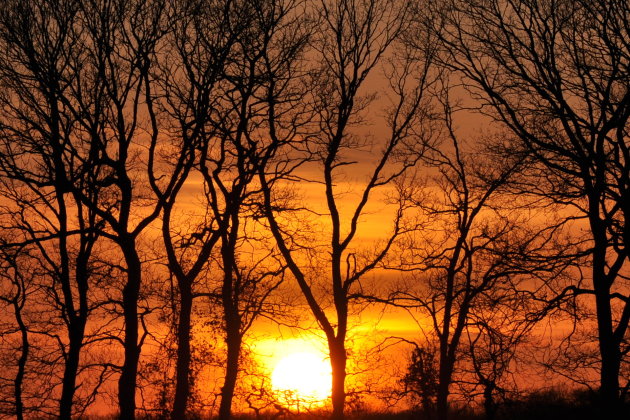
{"type": "Point", "coordinates": [15, 292]}
{"type": "Point", "coordinates": [497, 329]}
{"type": "Point", "coordinates": [471, 245]}
{"type": "Point", "coordinates": [264, 72]}
{"type": "Point", "coordinates": [121, 41]}
{"type": "Point", "coordinates": [556, 74]}
{"type": "Point", "coordinates": [230, 60]}
{"type": "Point", "coordinates": [30, 336]}
{"type": "Point", "coordinates": [198, 48]}
{"type": "Point", "coordinates": [39, 162]}
{"type": "Point", "coordinates": [83, 70]}
{"type": "Point", "coordinates": [421, 379]}
{"type": "Point", "coordinates": [352, 41]}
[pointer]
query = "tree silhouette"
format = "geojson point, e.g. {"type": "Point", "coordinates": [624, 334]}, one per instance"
{"type": "Point", "coordinates": [354, 39]}
{"type": "Point", "coordinates": [40, 161]}
{"type": "Point", "coordinates": [198, 47]}
{"type": "Point", "coordinates": [556, 74]}
{"type": "Point", "coordinates": [16, 297]}
{"type": "Point", "coordinates": [470, 244]}
{"type": "Point", "coordinates": [421, 379]}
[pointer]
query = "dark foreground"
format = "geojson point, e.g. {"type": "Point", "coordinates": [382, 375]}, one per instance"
{"type": "Point", "coordinates": [548, 405]}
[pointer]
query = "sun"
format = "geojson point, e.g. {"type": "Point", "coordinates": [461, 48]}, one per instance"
{"type": "Point", "coordinates": [302, 379]}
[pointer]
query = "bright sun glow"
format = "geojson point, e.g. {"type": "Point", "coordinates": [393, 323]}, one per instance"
{"type": "Point", "coordinates": [302, 379]}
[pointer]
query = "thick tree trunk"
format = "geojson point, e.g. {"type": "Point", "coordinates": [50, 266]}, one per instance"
{"type": "Point", "coordinates": [610, 357]}
{"type": "Point", "coordinates": [442, 401]}
{"type": "Point", "coordinates": [131, 292]}
{"type": "Point", "coordinates": [444, 382]}
{"type": "Point", "coordinates": [76, 333]}
{"type": "Point", "coordinates": [489, 404]}
{"type": "Point", "coordinates": [609, 346]}
{"type": "Point", "coordinates": [182, 385]}
{"type": "Point", "coordinates": [338, 360]}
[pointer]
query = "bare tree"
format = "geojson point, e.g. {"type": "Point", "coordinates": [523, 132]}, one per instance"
{"type": "Point", "coordinates": [86, 76]}
{"type": "Point", "coordinates": [229, 60]}
{"type": "Point", "coordinates": [15, 292]}
{"type": "Point", "coordinates": [352, 41]}
{"type": "Point", "coordinates": [264, 72]}
{"type": "Point", "coordinates": [122, 128]}
{"type": "Point", "coordinates": [30, 337]}
{"type": "Point", "coordinates": [497, 330]}
{"type": "Point", "coordinates": [556, 74]}
{"type": "Point", "coordinates": [199, 46]}
{"type": "Point", "coordinates": [39, 161]}
{"type": "Point", "coordinates": [472, 244]}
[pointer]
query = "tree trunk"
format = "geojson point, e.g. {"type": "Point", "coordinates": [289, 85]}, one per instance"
{"type": "Point", "coordinates": [608, 346]}
{"type": "Point", "coordinates": [444, 382]}
{"type": "Point", "coordinates": [131, 292]}
{"type": "Point", "coordinates": [19, 377]}
{"type": "Point", "coordinates": [610, 357]}
{"type": "Point", "coordinates": [338, 360]}
{"type": "Point", "coordinates": [76, 333]}
{"type": "Point", "coordinates": [488, 401]}
{"type": "Point", "coordinates": [182, 385]}
{"type": "Point", "coordinates": [233, 341]}
{"type": "Point", "coordinates": [231, 316]}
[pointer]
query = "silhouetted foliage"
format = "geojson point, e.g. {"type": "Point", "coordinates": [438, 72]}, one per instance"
{"type": "Point", "coordinates": [421, 380]}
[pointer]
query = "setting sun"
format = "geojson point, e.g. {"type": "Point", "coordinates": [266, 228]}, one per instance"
{"type": "Point", "coordinates": [302, 378]}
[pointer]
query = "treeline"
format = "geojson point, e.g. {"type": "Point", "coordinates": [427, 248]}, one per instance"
{"type": "Point", "coordinates": [165, 160]}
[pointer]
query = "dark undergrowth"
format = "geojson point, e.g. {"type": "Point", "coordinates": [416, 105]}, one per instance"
{"type": "Point", "coordinates": [542, 405]}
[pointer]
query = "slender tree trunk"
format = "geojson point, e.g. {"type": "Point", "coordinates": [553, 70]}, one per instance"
{"type": "Point", "coordinates": [76, 335]}
{"type": "Point", "coordinates": [19, 377]}
{"type": "Point", "coordinates": [444, 374]}
{"type": "Point", "coordinates": [233, 341]}
{"type": "Point", "coordinates": [338, 359]}
{"type": "Point", "coordinates": [182, 385]}
{"type": "Point", "coordinates": [229, 299]}
{"type": "Point", "coordinates": [131, 293]}
{"type": "Point", "coordinates": [76, 322]}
